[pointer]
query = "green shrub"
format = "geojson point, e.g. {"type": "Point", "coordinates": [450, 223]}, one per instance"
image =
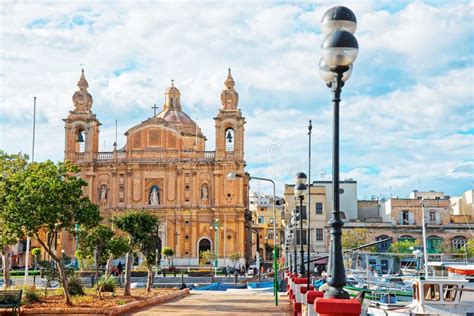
{"type": "Point", "coordinates": [109, 285]}
{"type": "Point", "coordinates": [76, 287]}
{"type": "Point", "coordinates": [29, 295]}
{"type": "Point", "coordinates": [22, 272]}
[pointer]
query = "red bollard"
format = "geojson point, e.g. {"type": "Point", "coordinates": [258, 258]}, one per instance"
{"type": "Point", "coordinates": [337, 307]}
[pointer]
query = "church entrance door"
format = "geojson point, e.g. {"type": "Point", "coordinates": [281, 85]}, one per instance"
{"type": "Point", "coordinates": [204, 245]}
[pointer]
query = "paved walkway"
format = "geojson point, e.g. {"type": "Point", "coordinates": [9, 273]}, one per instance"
{"type": "Point", "coordinates": [234, 302]}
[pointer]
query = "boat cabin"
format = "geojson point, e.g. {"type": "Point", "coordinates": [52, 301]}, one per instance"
{"type": "Point", "coordinates": [438, 291]}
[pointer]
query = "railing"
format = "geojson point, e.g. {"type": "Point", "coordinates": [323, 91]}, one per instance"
{"type": "Point", "coordinates": [209, 154]}
{"type": "Point", "coordinates": [152, 156]}
{"type": "Point", "coordinates": [104, 155]}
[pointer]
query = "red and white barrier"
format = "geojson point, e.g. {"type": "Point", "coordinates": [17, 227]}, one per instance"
{"type": "Point", "coordinates": [303, 291]}
{"type": "Point", "coordinates": [310, 297]}
{"type": "Point", "coordinates": [298, 283]}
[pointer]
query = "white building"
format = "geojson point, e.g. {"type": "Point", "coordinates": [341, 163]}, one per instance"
{"type": "Point", "coordinates": [348, 196]}
{"type": "Point", "coordinates": [462, 205]}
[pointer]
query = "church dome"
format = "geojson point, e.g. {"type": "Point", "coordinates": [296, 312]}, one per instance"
{"type": "Point", "coordinates": [173, 116]}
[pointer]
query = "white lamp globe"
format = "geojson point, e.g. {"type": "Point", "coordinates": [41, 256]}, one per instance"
{"type": "Point", "coordinates": [328, 75]}
{"type": "Point", "coordinates": [338, 18]}
{"type": "Point", "coordinates": [340, 48]}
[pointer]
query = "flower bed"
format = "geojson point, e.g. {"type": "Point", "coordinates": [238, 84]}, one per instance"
{"type": "Point", "coordinates": [110, 304]}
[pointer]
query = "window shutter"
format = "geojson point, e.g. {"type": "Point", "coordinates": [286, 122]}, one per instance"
{"type": "Point", "coordinates": [410, 218]}
{"type": "Point", "coordinates": [438, 218]}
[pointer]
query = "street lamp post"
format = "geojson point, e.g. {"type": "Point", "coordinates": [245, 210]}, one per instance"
{"type": "Point", "coordinates": [233, 176]}
{"type": "Point", "coordinates": [308, 270]}
{"type": "Point", "coordinates": [300, 190]}
{"type": "Point", "coordinates": [339, 49]}
{"type": "Point", "coordinates": [215, 226]}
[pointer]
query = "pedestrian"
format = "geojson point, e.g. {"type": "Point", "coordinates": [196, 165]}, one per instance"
{"type": "Point", "coordinates": [226, 271]}
{"type": "Point", "coordinates": [242, 271]}
{"type": "Point", "coordinates": [120, 268]}
{"type": "Point", "coordinates": [236, 276]}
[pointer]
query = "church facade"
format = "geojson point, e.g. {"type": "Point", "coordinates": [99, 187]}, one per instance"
{"type": "Point", "coordinates": [165, 169]}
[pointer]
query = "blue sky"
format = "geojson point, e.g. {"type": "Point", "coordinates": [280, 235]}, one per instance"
{"type": "Point", "coordinates": [407, 112]}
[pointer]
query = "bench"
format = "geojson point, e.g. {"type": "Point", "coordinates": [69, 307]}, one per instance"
{"type": "Point", "coordinates": [11, 299]}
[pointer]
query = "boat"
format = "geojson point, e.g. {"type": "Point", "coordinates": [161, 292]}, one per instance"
{"type": "Point", "coordinates": [433, 297]}
{"type": "Point", "coordinates": [375, 294]}
{"type": "Point", "coordinates": [218, 287]}
{"type": "Point", "coordinates": [261, 286]}
{"type": "Point", "coordinates": [375, 287]}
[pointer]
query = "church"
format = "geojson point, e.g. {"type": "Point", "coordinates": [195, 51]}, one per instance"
{"type": "Point", "coordinates": [165, 169]}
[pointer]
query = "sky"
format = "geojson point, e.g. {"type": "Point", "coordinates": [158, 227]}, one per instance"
{"type": "Point", "coordinates": [407, 112]}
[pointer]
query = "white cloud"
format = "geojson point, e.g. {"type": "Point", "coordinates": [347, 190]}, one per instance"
{"type": "Point", "coordinates": [410, 93]}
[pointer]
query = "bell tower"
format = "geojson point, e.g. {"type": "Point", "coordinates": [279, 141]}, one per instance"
{"type": "Point", "coordinates": [229, 124]}
{"type": "Point", "coordinates": [81, 126]}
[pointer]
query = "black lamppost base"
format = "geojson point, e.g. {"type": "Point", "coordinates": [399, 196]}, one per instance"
{"type": "Point", "coordinates": [338, 293]}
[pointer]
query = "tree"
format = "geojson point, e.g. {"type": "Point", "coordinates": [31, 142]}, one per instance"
{"type": "Point", "coordinates": [9, 166]}
{"type": "Point", "coordinates": [235, 257]}
{"type": "Point", "coordinates": [142, 230]}
{"type": "Point", "coordinates": [469, 248]}
{"type": "Point", "coordinates": [168, 252]}
{"type": "Point", "coordinates": [7, 238]}
{"type": "Point", "coordinates": [116, 247]}
{"type": "Point", "coordinates": [403, 246]}
{"type": "Point", "coordinates": [102, 243]}
{"type": "Point", "coordinates": [94, 242]}
{"type": "Point", "coordinates": [44, 200]}
{"type": "Point", "coordinates": [355, 237]}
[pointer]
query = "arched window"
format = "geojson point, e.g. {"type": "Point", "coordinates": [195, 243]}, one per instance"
{"type": "Point", "coordinates": [433, 244]}
{"type": "Point", "coordinates": [383, 246]}
{"type": "Point", "coordinates": [229, 139]}
{"type": "Point", "coordinates": [154, 196]}
{"type": "Point", "coordinates": [81, 140]}
{"type": "Point", "coordinates": [458, 242]}
{"type": "Point", "coordinates": [406, 237]}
